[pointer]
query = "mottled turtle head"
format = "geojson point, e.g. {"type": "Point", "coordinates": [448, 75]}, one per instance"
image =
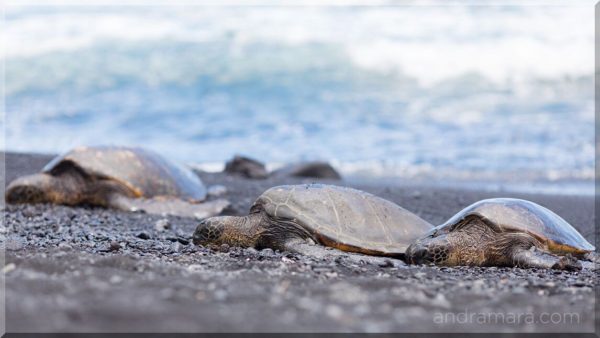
{"type": "Point", "coordinates": [434, 248]}
{"type": "Point", "coordinates": [210, 230]}
{"type": "Point", "coordinates": [36, 188]}
{"type": "Point", "coordinates": [234, 231]}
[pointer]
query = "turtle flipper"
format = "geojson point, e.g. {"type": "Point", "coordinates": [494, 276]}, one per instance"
{"type": "Point", "coordinates": [592, 257]}
{"type": "Point", "coordinates": [535, 258]}
{"type": "Point", "coordinates": [169, 206]}
{"type": "Point", "coordinates": [320, 252]}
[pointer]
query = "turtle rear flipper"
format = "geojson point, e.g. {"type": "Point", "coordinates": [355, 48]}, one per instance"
{"type": "Point", "coordinates": [535, 258]}
{"type": "Point", "coordinates": [303, 247]}
{"type": "Point", "coordinates": [169, 206]}
{"type": "Point", "coordinates": [592, 257]}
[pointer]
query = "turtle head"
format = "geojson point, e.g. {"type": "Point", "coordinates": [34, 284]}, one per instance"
{"type": "Point", "coordinates": [37, 188]}
{"type": "Point", "coordinates": [434, 248]}
{"type": "Point", "coordinates": [210, 230]}
{"type": "Point", "coordinates": [230, 230]}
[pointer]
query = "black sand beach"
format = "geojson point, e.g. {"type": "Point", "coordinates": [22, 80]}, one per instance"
{"type": "Point", "coordinates": [90, 269]}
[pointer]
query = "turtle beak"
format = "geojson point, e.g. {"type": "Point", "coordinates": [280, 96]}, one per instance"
{"type": "Point", "coordinates": [208, 231]}
{"type": "Point", "coordinates": [28, 189]}
{"type": "Point", "coordinates": [418, 254]}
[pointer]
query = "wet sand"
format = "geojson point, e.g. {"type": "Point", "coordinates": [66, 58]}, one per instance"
{"type": "Point", "coordinates": [83, 269]}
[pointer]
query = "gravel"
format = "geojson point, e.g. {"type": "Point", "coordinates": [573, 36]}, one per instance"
{"type": "Point", "coordinates": [86, 269]}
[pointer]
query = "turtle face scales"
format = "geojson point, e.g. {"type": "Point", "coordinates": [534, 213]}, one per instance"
{"type": "Point", "coordinates": [210, 231]}
{"type": "Point", "coordinates": [231, 230]}
{"type": "Point", "coordinates": [30, 189]}
{"type": "Point", "coordinates": [434, 248]}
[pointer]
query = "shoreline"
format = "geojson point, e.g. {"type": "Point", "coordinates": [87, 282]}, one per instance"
{"type": "Point", "coordinates": [61, 274]}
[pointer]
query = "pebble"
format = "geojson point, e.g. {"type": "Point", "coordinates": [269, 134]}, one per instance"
{"type": "Point", "coordinates": [183, 240]}
{"type": "Point", "coordinates": [115, 246]}
{"type": "Point", "coordinates": [115, 279]}
{"type": "Point", "coordinates": [162, 224]}
{"type": "Point", "coordinates": [220, 295]}
{"type": "Point", "coordinates": [112, 229]}
{"type": "Point", "coordinates": [386, 264]}
{"type": "Point", "coordinates": [440, 300]}
{"type": "Point", "coordinates": [143, 235]}
{"type": "Point", "coordinates": [217, 190]}
{"type": "Point", "coordinates": [200, 296]}
{"type": "Point", "coordinates": [8, 268]}
{"type": "Point", "coordinates": [420, 275]}
{"type": "Point", "coordinates": [65, 247]}
{"type": "Point", "coordinates": [195, 268]}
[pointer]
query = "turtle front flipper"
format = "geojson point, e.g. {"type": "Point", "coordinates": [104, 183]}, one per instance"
{"type": "Point", "coordinates": [169, 206]}
{"type": "Point", "coordinates": [592, 257]}
{"type": "Point", "coordinates": [535, 258]}
{"type": "Point", "coordinates": [306, 248]}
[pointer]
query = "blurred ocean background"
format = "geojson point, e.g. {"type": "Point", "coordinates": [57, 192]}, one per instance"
{"type": "Point", "coordinates": [434, 93]}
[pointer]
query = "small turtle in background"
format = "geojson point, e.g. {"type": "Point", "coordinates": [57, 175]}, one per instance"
{"type": "Point", "coordinates": [316, 169]}
{"type": "Point", "coordinates": [247, 167]}
{"type": "Point", "coordinates": [117, 177]}
{"type": "Point", "coordinates": [504, 232]}
{"type": "Point", "coordinates": [251, 168]}
{"type": "Point", "coordinates": [305, 218]}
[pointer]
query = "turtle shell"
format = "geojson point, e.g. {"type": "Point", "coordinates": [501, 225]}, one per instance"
{"type": "Point", "coordinates": [143, 172]}
{"type": "Point", "coordinates": [345, 218]}
{"type": "Point", "coordinates": [510, 214]}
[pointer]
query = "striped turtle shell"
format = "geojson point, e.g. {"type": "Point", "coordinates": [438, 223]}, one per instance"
{"type": "Point", "coordinates": [143, 172]}
{"type": "Point", "coordinates": [510, 214]}
{"type": "Point", "coordinates": [344, 218]}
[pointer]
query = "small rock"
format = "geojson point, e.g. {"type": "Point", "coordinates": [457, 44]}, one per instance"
{"type": "Point", "coordinates": [287, 260]}
{"type": "Point", "coordinates": [420, 275]}
{"type": "Point", "coordinates": [224, 248]}
{"type": "Point", "coordinates": [195, 268]}
{"type": "Point", "coordinates": [441, 301]}
{"type": "Point", "coordinates": [183, 240]}
{"type": "Point", "coordinates": [386, 264]}
{"type": "Point", "coordinates": [220, 295]}
{"type": "Point", "coordinates": [217, 190]}
{"type": "Point", "coordinates": [162, 224]}
{"type": "Point", "coordinates": [200, 296]}
{"type": "Point", "coordinates": [65, 247]}
{"type": "Point", "coordinates": [143, 235]}
{"type": "Point", "coordinates": [267, 252]}
{"type": "Point", "coordinates": [8, 268]}
{"type": "Point", "coordinates": [115, 279]}
{"type": "Point", "coordinates": [115, 246]}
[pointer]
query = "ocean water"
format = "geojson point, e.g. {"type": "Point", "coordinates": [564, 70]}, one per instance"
{"type": "Point", "coordinates": [460, 92]}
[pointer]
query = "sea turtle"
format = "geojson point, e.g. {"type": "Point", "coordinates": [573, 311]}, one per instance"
{"type": "Point", "coordinates": [119, 177]}
{"type": "Point", "coordinates": [503, 232]}
{"type": "Point", "coordinates": [314, 169]}
{"type": "Point", "coordinates": [296, 217]}
{"type": "Point", "coordinates": [251, 168]}
{"type": "Point", "coordinates": [246, 167]}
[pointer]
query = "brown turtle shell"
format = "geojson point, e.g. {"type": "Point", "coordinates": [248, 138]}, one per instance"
{"type": "Point", "coordinates": [143, 172]}
{"type": "Point", "coordinates": [345, 218]}
{"type": "Point", "coordinates": [509, 214]}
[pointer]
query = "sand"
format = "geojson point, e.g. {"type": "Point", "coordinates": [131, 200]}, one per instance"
{"type": "Point", "coordinates": [83, 269]}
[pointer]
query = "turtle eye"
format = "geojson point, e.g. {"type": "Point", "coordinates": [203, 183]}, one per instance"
{"type": "Point", "coordinates": [433, 234]}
